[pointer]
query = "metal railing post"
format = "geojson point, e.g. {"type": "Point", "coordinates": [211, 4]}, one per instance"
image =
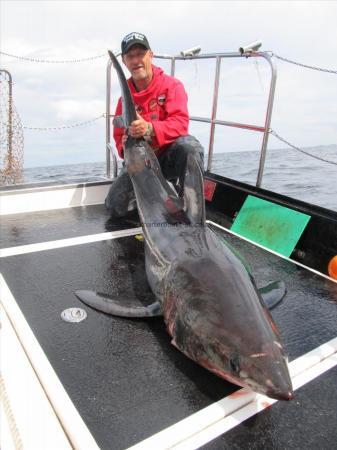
{"type": "Point", "coordinates": [10, 117]}
{"type": "Point", "coordinates": [214, 110]}
{"type": "Point", "coordinates": [9, 153]}
{"type": "Point", "coordinates": [108, 147]}
{"type": "Point", "coordinates": [173, 66]}
{"type": "Point", "coordinates": [107, 118]}
{"type": "Point", "coordinates": [267, 121]}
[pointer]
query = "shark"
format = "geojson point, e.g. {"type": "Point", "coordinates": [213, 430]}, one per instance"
{"type": "Point", "coordinates": [212, 308]}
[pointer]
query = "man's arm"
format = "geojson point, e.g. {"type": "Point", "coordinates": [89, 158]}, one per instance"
{"type": "Point", "coordinates": [163, 132]}
{"type": "Point", "coordinates": [176, 123]}
{"type": "Point", "coordinates": [119, 132]}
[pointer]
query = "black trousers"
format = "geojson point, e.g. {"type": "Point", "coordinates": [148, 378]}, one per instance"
{"type": "Point", "coordinates": [173, 165]}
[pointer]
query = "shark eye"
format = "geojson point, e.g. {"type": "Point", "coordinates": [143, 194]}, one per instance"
{"type": "Point", "coordinates": [234, 364]}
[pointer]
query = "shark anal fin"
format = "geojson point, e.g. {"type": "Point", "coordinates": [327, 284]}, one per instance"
{"type": "Point", "coordinates": [194, 191]}
{"type": "Point", "coordinates": [120, 308]}
{"type": "Point", "coordinates": [273, 293]}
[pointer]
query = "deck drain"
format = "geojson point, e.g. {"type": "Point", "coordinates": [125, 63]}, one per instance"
{"type": "Point", "coordinates": [73, 315]}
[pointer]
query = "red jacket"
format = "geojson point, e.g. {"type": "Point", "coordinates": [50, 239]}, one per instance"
{"type": "Point", "coordinates": [164, 104]}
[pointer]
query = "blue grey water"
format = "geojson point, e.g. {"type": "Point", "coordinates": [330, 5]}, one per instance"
{"type": "Point", "coordinates": [286, 171]}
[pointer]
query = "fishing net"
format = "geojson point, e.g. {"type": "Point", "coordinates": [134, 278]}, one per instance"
{"type": "Point", "coordinates": [11, 135]}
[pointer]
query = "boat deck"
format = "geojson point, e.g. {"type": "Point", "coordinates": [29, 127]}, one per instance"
{"type": "Point", "coordinates": [126, 380]}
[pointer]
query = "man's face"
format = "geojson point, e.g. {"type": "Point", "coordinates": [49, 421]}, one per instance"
{"type": "Point", "coordinates": [138, 60]}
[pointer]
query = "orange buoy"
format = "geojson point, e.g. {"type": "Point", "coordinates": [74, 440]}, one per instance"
{"type": "Point", "coordinates": [332, 267]}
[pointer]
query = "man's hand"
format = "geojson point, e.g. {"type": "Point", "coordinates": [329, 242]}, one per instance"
{"type": "Point", "coordinates": [138, 127]}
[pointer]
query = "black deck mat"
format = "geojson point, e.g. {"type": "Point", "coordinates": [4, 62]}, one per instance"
{"type": "Point", "coordinates": [123, 375]}
{"type": "Point", "coordinates": [43, 226]}
{"type": "Point", "coordinates": [307, 422]}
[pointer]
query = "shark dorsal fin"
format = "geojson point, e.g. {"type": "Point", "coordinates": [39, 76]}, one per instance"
{"type": "Point", "coordinates": [194, 192]}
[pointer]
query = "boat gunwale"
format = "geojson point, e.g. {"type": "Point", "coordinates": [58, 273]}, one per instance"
{"type": "Point", "coordinates": [297, 204]}
{"type": "Point", "coordinates": [49, 186]}
{"type": "Point", "coordinates": [284, 200]}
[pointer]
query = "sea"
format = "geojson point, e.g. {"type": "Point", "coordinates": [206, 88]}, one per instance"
{"type": "Point", "coordinates": [287, 171]}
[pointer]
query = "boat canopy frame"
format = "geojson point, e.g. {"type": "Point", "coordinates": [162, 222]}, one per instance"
{"type": "Point", "coordinates": [111, 158]}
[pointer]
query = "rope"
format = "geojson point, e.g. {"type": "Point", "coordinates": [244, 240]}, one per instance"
{"type": "Point", "coordinates": [10, 416]}
{"type": "Point", "coordinates": [49, 61]}
{"type": "Point", "coordinates": [300, 150]}
{"type": "Point", "coordinates": [91, 58]}
{"type": "Point", "coordinates": [64, 127]}
{"type": "Point", "coordinates": [320, 69]}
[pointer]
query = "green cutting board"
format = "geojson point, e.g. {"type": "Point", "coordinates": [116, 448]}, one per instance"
{"type": "Point", "coordinates": [273, 226]}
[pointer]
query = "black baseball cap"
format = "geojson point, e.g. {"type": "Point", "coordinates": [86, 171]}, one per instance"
{"type": "Point", "coordinates": [133, 39]}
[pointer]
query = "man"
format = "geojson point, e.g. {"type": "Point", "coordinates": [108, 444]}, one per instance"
{"type": "Point", "coordinates": [162, 119]}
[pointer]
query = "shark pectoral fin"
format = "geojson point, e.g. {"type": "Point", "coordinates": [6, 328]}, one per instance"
{"type": "Point", "coordinates": [273, 293]}
{"type": "Point", "coordinates": [232, 249]}
{"type": "Point", "coordinates": [194, 191]}
{"type": "Point", "coordinates": [114, 307]}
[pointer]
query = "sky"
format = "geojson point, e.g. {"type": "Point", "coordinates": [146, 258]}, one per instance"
{"type": "Point", "coordinates": [64, 94]}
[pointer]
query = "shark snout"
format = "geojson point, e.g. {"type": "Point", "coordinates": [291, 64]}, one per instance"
{"type": "Point", "coordinates": [269, 375]}
{"type": "Point", "coordinates": [286, 395]}
{"type": "Point", "coordinates": [280, 390]}
{"type": "Point", "coordinates": [281, 387]}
